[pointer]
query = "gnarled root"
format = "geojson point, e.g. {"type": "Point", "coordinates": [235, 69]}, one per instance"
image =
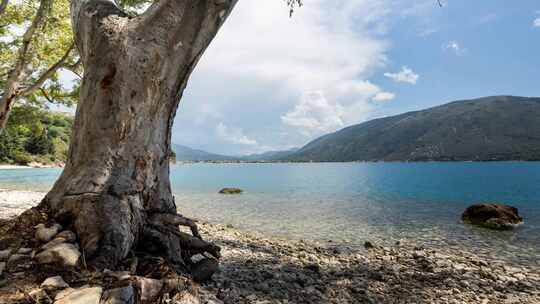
{"type": "Point", "coordinates": [162, 236]}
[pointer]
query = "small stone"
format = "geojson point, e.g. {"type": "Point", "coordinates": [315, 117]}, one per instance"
{"type": "Point", "coordinates": [203, 270]}
{"type": "Point", "coordinates": [122, 295]}
{"type": "Point", "coordinates": [186, 298]}
{"type": "Point", "coordinates": [24, 250]}
{"type": "Point", "coordinates": [2, 268]}
{"type": "Point", "coordinates": [149, 289]}
{"type": "Point", "coordinates": [62, 254]}
{"type": "Point", "coordinates": [40, 296]}
{"type": "Point", "coordinates": [17, 260]}
{"type": "Point", "coordinates": [313, 267]}
{"type": "Point", "coordinates": [368, 245]}
{"type": "Point", "coordinates": [119, 275]}
{"type": "Point", "coordinates": [45, 234]}
{"type": "Point", "coordinates": [88, 295]}
{"type": "Point", "coordinates": [4, 254]}
{"type": "Point", "coordinates": [67, 235]}
{"type": "Point", "coordinates": [53, 283]}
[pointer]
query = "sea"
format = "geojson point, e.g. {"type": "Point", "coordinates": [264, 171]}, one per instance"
{"type": "Point", "coordinates": [346, 204]}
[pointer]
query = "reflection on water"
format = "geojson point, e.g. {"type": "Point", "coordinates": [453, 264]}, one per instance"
{"type": "Point", "coordinates": [353, 202]}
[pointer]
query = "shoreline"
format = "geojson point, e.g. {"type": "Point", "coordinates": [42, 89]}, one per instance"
{"type": "Point", "coordinates": [260, 269]}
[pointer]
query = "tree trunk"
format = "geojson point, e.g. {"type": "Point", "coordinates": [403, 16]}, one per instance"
{"type": "Point", "coordinates": [115, 190]}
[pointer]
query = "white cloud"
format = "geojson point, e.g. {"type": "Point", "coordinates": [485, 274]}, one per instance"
{"type": "Point", "coordinates": [326, 47]}
{"type": "Point", "coordinates": [384, 96]}
{"type": "Point", "coordinates": [233, 135]}
{"type": "Point", "coordinates": [315, 114]}
{"type": "Point", "coordinates": [455, 47]}
{"type": "Point", "coordinates": [405, 75]}
{"type": "Point", "coordinates": [536, 22]}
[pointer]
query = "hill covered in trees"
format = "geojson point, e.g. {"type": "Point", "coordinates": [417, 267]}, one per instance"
{"type": "Point", "coordinates": [34, 135]}
{"type": "Point", "coordinates": [489, 128]}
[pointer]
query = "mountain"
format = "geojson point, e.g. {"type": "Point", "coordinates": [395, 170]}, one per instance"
{"type": "Point", "coordinates": [270, 155]}
{"type": "Point", "coordinates": [489, 128]}
{"type": "Point", "coordinates": [184, 153]}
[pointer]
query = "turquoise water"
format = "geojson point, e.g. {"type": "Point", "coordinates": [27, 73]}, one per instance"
{"type": "Point", "coordinates": [349, 203]}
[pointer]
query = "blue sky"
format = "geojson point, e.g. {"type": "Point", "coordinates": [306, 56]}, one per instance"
{"type": "Point", "coordinates": [270, 82]}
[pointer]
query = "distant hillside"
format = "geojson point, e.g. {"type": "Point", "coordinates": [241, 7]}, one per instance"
{"type": "Point", "coordinates": [490, 128]}
{"type": "Point", "coordinates": [269, 156]}
{"type": "Point", "coordinates": [184, 153]}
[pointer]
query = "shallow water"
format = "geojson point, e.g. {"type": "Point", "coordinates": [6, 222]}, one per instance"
{"type": "Point", "coordinates": [353, 202]}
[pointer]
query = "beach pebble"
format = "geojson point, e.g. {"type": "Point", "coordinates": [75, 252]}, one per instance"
{"type": "Point", "coordinates": [149, 289]}
{"type": "Point", "coordinates": [121, 295]}
{"type": "Point", "coordinates": [24, 250]}
{"type": "Point", "coordinates": [63, 254]}
{"type": "Point", "coordinates": [68, 235]}
{"type": "Point", "coordinates": [45, 234]}
{"type": "Point", "coordinates": [2, 267]}
{"type": "Point", "coordinates": [4, 254]}
{"type": "Point", "coordinates": [40, 296]}
{"type": "Point", "coordinates": [203, 270]}
{"type": "Point", "coordinates": [83, 295]}
{"type": "Point", "coordinates": [54, 283]}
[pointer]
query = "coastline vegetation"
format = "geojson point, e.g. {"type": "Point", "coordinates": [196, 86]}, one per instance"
{"type": "Point", "coordinates": [35, 136]}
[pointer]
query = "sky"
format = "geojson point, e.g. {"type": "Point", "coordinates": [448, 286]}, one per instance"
{"type": "Point", "coordinates": [270, 82]}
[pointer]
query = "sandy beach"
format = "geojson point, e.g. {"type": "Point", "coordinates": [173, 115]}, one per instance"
{"type": "Point", "coordinates": [257, 269]}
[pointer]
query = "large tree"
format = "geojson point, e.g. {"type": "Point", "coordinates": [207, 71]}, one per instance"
{"type": "Point", "coordinates": [115, 190]}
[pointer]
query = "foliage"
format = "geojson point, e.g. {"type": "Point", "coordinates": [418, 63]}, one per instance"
{"type": "Point", "coordinates": [52, 40]}
{"type": "Point", "coordinates": [34, 134]}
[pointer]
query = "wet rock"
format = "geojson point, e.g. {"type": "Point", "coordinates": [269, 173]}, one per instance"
{"type": "Point", "coordinates": [45, 234]}
{"type": "Point", "coordinates": [2, 268]}
{"type": "Point", "coordinates": [53, 283]}
{"type": "Point", "coordinates": [203, 270]}
{"type": "Point", "coordinates": [62, 254]}
{"type": "Point", "coordinates": [230, 191]}
{"type": "Point", "coordinates": [122, 295]}
{"type": "Point", "coordinates": [119, 275]}
{"type": "Point", "coordinates": [149, 289]}
{"type": "Point", "coordinates": [493, 216]}
{"type": "Point", "coordinates": [83, 295]}
{"type": "Point", "coordinates": [4, 254]}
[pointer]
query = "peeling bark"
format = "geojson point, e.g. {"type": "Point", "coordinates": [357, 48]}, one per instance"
{"type": "Point", "coordinates": [115, 190]}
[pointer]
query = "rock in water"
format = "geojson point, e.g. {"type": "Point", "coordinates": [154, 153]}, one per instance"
{"type": "Point", "coordinates": [91, 295]}
{"type": "Point", "coordinates": [63, 254]}
{"type": "Point", "coordinates": [493, 216]}
{"type": "Point", "coordinates": [4, 254]}
{"type": "Point", "coordinates": [230, 191]}
{"type": "Point", "coordinates": [45, 234]}
{"type": "Point", "coordinates": [203, 270]}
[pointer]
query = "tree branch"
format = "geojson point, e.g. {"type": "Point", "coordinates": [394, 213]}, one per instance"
{"type": "Point", "coordinates": [12, 87]}
{"type": "Point", "coordinates": [3, 6]}
{"type": "Point", "coordinates": [48, 73]}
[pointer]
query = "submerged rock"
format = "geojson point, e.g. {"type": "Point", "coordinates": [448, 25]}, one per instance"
{"type": "Point", "coordinates": [4, 254]}
{"type": "Point", "coordinates": [45, 234]}
{"type": "Point", "coordinates": [230, 191]}
{"type": "Point", "coordinates": [493, 216]}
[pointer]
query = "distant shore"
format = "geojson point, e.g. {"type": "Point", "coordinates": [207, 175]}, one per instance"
{"type": "Point", "coordinates": [29, 166]}
{"type": "Point", "coordinates": [257, 269]}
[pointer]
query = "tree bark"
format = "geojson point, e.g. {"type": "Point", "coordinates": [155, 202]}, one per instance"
{"type": "Point", "coordinates": [115, 190]}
